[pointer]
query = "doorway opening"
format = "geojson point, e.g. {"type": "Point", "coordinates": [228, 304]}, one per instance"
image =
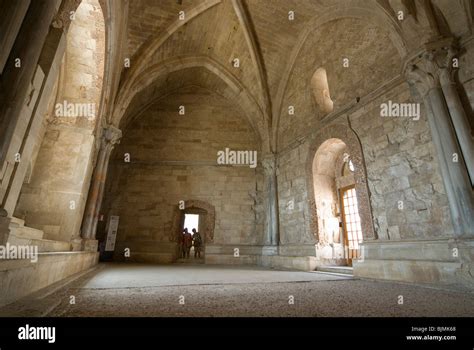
{"type": "Point", "coordinates": [351, 222]}
{"type": "Point", "coordinates": [194, 219]}
{"type": "Point", "coordinates": [191, 221]}
{"type": "Point", "coordinates": [340, 230]}
{"type": "Point", "coordinates": [205, 222]}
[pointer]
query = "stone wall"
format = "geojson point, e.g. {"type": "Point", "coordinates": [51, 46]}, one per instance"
{"type": "Point", "coordinates": [174, 157]}
{"type": "Point", "coordinates": [400, 164]}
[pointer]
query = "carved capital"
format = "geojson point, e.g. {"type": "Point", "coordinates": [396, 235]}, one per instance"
{"type": "Point", "coordinates": [110, 137]}
{"type": "Point", "coordinates": [432, 68]}
{"type": "Point", "coordinates": [269, 165]}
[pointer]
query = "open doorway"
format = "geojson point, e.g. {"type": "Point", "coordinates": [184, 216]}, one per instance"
{"type": "Point", "coordinates": [351, 223]}
{"type": "Point", "coordinates": [193, 219]}
{"type": "Point", "coordinates": [340, 229]}
{"type": "Point", "coordinates": [335, 163]}
{"type": "Point", "coordinates": [204, 219]}
{"type": "Point", "coordinates": [191, 223]}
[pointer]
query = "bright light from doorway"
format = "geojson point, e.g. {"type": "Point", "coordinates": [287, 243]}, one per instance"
{"type": "Point", "coordinates": [191, 221]}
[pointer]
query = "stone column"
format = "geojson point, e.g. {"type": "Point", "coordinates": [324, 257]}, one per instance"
{"type": "Point", "coordinates": [457, 112]}
{"type": "Point", "coordinates": [423, 74]}
{"type": "Point", "coordinates": [16, 80]}
{"type": "Point", "coordinates": [110, 136]}
{"type": "Point", "coordinates": [272, 238]}
{"type": "Point", "coordinates": [15, 83]}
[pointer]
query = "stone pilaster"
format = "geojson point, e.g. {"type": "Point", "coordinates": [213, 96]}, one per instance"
{"type": "Point", "coordinates": [272, 237]}
{"type": "Point", "coordinates": [426, 74]}
{"type": "Point", "coordinates": [110, 137]}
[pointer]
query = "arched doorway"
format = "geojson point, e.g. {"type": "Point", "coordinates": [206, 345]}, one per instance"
{"type": "Point", "coordinates": [349, 207]}
{"type": "Point", "coordinates": [339, 198]}
{"type": "Point", "coordinates": [206, 222]}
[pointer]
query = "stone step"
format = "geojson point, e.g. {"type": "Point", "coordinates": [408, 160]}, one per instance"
{"type": "Point", "coordinates": [44, 245]}
{"type": "Point", "coordinates": [344, 270]}
{"type": "Point", "coordinates": [18, 240]}
{"type": "Point", "coordinates": [15, 222]}
{"type": "Point", "coordinates": [26, 232]}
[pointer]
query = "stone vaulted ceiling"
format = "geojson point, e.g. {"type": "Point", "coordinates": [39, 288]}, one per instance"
{"type": "Point", "coordinates": [260, 34]}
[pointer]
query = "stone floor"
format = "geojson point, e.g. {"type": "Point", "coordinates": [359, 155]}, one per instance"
{"type": "Point", "coordinates": [148, 290]}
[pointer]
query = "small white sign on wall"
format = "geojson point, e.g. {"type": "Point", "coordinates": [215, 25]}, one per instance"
{"type": "Point", "coordinates": [112, 233]}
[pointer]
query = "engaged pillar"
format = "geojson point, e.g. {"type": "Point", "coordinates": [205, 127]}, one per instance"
{"type": "Point", "coordinates": [110, 137]}
{"type": "Point", "coordinates": [271, 222]}
{"type": "Point", "coordinates": [457, 112]}
{"type": "Point", "coordinates": [424, 75]}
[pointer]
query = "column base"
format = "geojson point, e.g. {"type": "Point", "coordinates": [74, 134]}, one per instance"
{"type": "Point", "coordinates": [270, 250]}
{"type": "Point", "coordinates": [89, 245]}
{"type": "Point", "coordinates": [76, 245]}
{"type": "Point", "coordinates": [4, 226]}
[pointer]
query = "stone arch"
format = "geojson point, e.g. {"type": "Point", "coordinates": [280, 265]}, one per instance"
{"type": "Point", "coordinates": [82, 71]}
{"type": "Point", "coordinates": [365, 12]}
{"type": "Point", "coordinates": [340, 136]}
{"type": "Point", "coordinates": [115, 20]}
{"type": "Point", "coordinates": [234, 90]}
{"type": "Point", "coordinates": [210, 219]}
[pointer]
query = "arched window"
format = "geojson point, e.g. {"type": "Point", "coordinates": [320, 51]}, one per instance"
{"type": "Point", "coordinates": [348, 167]}
{"type": "Point", "coordinates": [320, 87]}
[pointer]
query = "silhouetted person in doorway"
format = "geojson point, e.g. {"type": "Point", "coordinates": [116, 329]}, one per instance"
{"type": "Point", "coordinates": [197, 241]}
{"type": "Point", "coordinates": [188, 242]}
{"type": "Point", "coordinates": [182, 248]}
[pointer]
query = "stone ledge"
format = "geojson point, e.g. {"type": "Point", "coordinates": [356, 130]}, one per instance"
{"type": "Point", "coordinates": [408, 270]}
{"type": "Point", "coordinates": [252, 255]}
{"type": "Point", "coordinates": [298, 250]}
{"type": "Point", "coordinates": [25, 232]}
{"type": "Point", "coordinates": [228, 249]}
{"type": "Point", "coordinates": [44, 245]}
{"type": "Point", "coordinates": [226, 259]}
{"type": "Point", "coordinates": [419, 261]}
{"type": "Point", "coordinates": [300, 263]}
{"type": "Point", "coordinates": [147, 246]}
{"type": "Point", "coordinates": [43, 258]}
{"type": "Point", "coordinates": [19, 278]}
{"type": "Point", "coordinates": [422, 250]}
{"type": "Point", "coordinates": [147, 257]}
